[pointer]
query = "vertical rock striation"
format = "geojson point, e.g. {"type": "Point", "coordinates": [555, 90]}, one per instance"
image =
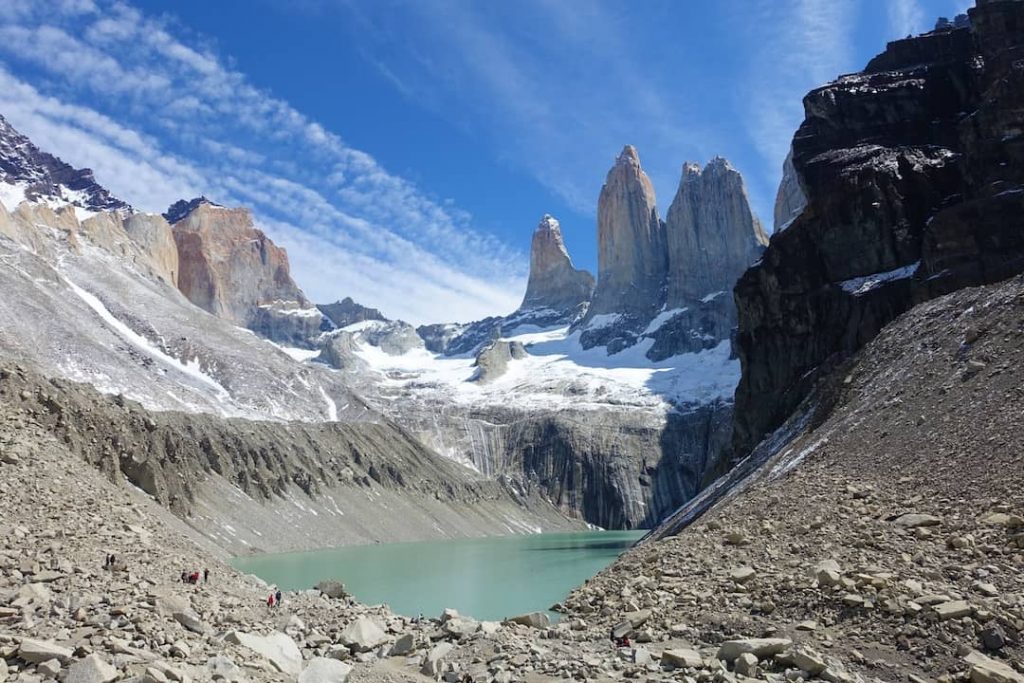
{"type": "Point", "coordinates": [913, 174]}
{"type": "Point", "coordinates": [554, 282]}
{"type": "Point", "coordinates": [712, 235]}
{"type": "Point", "coordinates": [234, 271]}
{"type": "Point", "coordinates": [632, 259]}
{"type": "Point", "coordinates": [790, 200]}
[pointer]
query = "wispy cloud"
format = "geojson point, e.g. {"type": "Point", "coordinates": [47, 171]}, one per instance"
{"type": "Point", "coordinates": [803, 44]}
{"type": "Point", "coordinates": [158, 119]}
{"type": "Point", "coordinates": [906, 17]}
{"type": "Point", "coordinates": [561, 86]}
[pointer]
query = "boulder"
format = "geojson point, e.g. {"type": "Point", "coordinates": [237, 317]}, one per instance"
{"type": "Point", "coordinates": [987, 670]}
{"type": "Point", "coordinates": [746, 665]}
{"type": "Point", "coordinates": [808, 660]}
{"type": "Point", "coordinates": [332, 589]}
{"type": "Point", "coordinates": [954, 609]}
{"type": "Point", "coordinates": [762, 648]}
{"type": "Point", "coordinates": [325, 670]}
{"type": "Point", "coordinates": [39, 651]}
{"type": "Point", "coordinates": [682, 658]}
{"type": "Point", "coordinates": [190, 620]}
{"type": "Point", "coordinates": [533, 620]}
{"type": "Point", "coordinates": [362, 635]}
{"type": "Point", "coordinates": [914, 520]}
{"type": "Point", "coordinates": [404, 645]}
{"type": "Point", "coordinates": [277, 648]}
{"type": "Point", "coordinates": [91, 669]}
{"type": "Point", "coordinates": [742, 574]}
{"type": "Point", "coordinates": [433, 664]}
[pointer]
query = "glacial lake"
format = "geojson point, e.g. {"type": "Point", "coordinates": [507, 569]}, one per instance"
{"type": "Point", "coordinates": [485, 578]}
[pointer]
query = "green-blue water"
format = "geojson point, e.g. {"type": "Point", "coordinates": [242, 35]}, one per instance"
{"type": "Point", "coordinates": [486, 578]}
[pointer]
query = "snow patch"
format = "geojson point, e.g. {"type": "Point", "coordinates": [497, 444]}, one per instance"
{"type": "Point", "coordinates": [191, 368]}
{"type": "Point", "coordinates": [862, 285]}
{"type": "Point", "coordinates": [661, 319]}
{"type": "Point", "coordinates": [711, 297]}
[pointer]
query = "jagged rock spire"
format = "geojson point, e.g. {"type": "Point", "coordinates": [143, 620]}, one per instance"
{"type": "Point", "coordinates": [632, 260]}
{"type": "Point", "coordinates": [712, 234]}
{"type": "Point", "coordinates": [554, 282]}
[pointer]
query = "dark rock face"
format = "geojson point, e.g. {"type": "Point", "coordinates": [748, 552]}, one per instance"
{"type": "Point", "coordinates": [183, 207]}
{"type": "Point", "coordinates": [612, 477]}
{"type": "Point", "coordinates": [346, 312]}
{"type": "Point", "coordinates": [554, 283]}
{"type": "Point", "coordinates": [913, 173]}
{"type": "Point", "coordinates": [46, 176]}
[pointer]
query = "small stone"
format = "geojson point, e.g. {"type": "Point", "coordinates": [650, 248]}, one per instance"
{"type": "Point", "coordinates": [324, 670]}
{"type": "Point", "coordinates": [682, 658]}
{"type": "Point", "coordinates": [762, 648]}
{"type": "Point", "coordinates": [742, 574]}
{"type": "Point", "coordinates": [987, 670]}
{"type": "Point", "coordinates": [49, 668]}
{"type": "Point", "coordinates": [91, 669]}
{"type": "Point", "coordinates": [746, 665]}
{"type": "Point", "coordinates": [953, 610]}
{"type": "Point", "coordinates": [914, 520]}
{"type": "Point", "coordinates": [533, 620]}
{"type": "Point", "coordinates": [993, 638]}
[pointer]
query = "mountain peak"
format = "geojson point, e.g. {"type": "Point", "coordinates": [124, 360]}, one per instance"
{"type": "Point", "coordinates": [181, 208]}
{"type": "Point", "coordinates": [554, 282]}
{"type": "Point", "coordinates": [42, 177]}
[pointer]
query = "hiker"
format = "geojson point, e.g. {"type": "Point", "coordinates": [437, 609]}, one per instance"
{"type": "Point", "coordinates": [277, 597]}
{"type": "Point", "coordinates": [206, 576]}
{"type": "Point", "coordinates": [184, 576]}
{"type": "Point", "coordinates": [106, 562]}
{"type": "Point", "coordinates": [270, 600]}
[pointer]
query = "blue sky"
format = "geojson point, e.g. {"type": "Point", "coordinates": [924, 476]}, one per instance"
{"type": "Point", "coordinates": [403, 151]}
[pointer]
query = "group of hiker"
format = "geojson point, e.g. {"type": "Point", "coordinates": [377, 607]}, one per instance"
{"type": "Point", "coordinates": [274, 599]}
{"type": "Point", "coordinates": [109, 561]}
{"type": "Point", "coordinates": [193, 577]}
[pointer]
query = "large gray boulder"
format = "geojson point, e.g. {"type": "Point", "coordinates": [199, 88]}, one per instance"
{"type": "Point", "coordinates": [325, 670]}
{"type": "Point", "coordinates": [362, 635]}
{"type": "Point", "coordinates": [91, 669]}
{"type": "Point", "coordinates": [492, 360]}
{"type": "Point", "coordinates": [277, 648]}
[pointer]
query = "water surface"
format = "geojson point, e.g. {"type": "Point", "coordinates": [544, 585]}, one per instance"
{"type": "Point", "coordinates": [487, 578]}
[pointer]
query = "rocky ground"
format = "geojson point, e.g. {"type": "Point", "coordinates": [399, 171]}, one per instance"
{"type": "Point", "coordinates": [886, 543]}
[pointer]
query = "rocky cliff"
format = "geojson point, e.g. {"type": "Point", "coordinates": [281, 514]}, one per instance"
{"type": "Point", "coordinates": [41, 177]}
{"type": "Point", "coordinates": [682, 271]}
{"type": "Point", "coordinates": [554, 283]}
{"type": "Point", "coordinates": [234, 271]}
{"type": "Point", "coordinates": [345, 312]}
{"type": "Point", "coordinates": [632, 259]}
{"type": "Point", "coordinates": [789, 200]}
{"type": "Point", "coordinates": [912, 172]}
{"type": "Point", "coordinates": [712, 235]}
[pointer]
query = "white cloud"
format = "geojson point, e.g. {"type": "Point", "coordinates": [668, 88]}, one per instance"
{"type": "Point", "coordinates": [803, 44]}
{"type": "Point", "coordinates": [159, 120]}
{"type": "Point", "coordinates": [906, 17]}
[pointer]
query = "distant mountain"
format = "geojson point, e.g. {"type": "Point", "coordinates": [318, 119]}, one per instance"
{"type": "Point", "coordinates": [38, 176]}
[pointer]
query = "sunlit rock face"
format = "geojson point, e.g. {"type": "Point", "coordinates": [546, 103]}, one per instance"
{"type": "Point", "coordinates": [234, 271]}
{"type": "Point", "coordinates": [554, 282]}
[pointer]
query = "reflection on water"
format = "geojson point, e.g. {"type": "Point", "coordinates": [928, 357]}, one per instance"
{"type": "Point", "coordinates": [488, 578]}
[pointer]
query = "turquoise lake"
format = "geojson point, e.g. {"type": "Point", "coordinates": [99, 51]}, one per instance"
{"type": "Point", "coordinates": [486, 578]}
